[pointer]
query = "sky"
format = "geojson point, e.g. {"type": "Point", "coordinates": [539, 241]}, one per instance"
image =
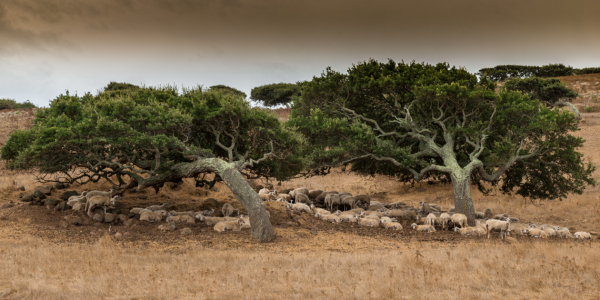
{"type": "Point", "coordinates": [50, 46]}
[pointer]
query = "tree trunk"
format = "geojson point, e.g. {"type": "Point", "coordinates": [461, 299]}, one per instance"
{"type": "Point", "coordinates": [259, 219]}
{"type": "Point", "coordinates": [461, 183]}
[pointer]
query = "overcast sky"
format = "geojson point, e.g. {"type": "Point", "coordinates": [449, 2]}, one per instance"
{"type": "Point", "coordinates": [50, 46]}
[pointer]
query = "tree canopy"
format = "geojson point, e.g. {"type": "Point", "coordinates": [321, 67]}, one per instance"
{"type": "Point", "coordinates": [276, 93]}
{"type": "Point", "coordinates": [149, 135]}
{"type": "Point", "coordinates": [12, 104]}
{"type": "Point", "coordinates": [227, 90]}
{"type": "Point", "coordinates": [417, 121]}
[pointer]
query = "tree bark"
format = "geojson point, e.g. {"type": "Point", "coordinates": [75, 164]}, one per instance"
{"type": "Point", "coordinates": [231, 176]}
{"type": "Point", "coordinates": [461, 184]}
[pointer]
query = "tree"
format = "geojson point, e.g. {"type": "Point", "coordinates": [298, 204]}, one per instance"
{"type": "Point", "coordinates": [552, 92]}
{"type": "Point", "coordinates": [154, 135]}
{"type": "Point", "coordinates": [227, 90]}
{"type": "Point", "coordinates": [276, 93]}
{"type": "Point", "coordinates": [418, 122]}
{"type": "Point", "coordinates": [12, 104]}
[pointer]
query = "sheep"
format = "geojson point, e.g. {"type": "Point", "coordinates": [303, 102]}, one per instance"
{"type": "Point", "coordinates": [285, 197]}
{"type": "Point", "coordinates": [368, 222]}
{"type": "Point", "coordinates": [76, 199]}
{"type": "Point", "coordinates": [534, 232]}
{"type": "Point", "coordinates": [181, 219]}
{"type": "Point", "coordinates": [422, 228]}
{"type": "Point", "coordinates": [425, 209]}
{"type": "Point", "coordinates": [459, 219]}
{"type": "Point", "coordinates": [518, 227]}
{"type": "Point", "coordinates": [101, 201]}
{"type": "Point", "coordinates": [363, 200]}
{"type": "Point", "coordinates": [246, 222]}
{"type": "Point", "coordinates": [210, 221]}
{"type": "Point", "coordinates": [299, 207]}
{"type": "Point", "coordinates": [487, 214]}
{"type": "Point", "coordinates": [227, 210]}
{"type": "Point", "coordinates": [151, 217]}
{"type": "Point", "coordinates": [349, 218]}
{"type": "Point", "coordinates": [182, 213]}
{"type": "Point", "coordinates": [388, 219]}
{"type": "Point", "coordinates": [357, 210]}
{"type": "Point", "coordinates": [319, 210]}
{"type": "Point", "coordinates": [313, 194]}
{"type": "Point", "coordinates": [431, 219]}
{"type": "Point", "coordinates": [391, 225]}
{"type": "Point", "coordinates": [267, 197]}
{"type": "Point", "coordinates": [503, 226]}
{"type": "Point", "coordinates": [402, 214]}
{"type": "Point", "coordinates": [264, 191]}
{"type": "Point", "coordinates": [549, 230]}
{"type": "Point", "coordinates": [229, 225]}
{"type": "Point", "coordinates": [445, 220]}
{"type": "Point", "coordinates": [158, 207]}
{"type": "Point", "coordinates": [452, 209]}
{"type": "Point", "coordinates": [500, 217]}
{"type": "Point", "coordinates": [321, 197]}
{"type": "Point", "coordinates": [348, 200]}
{"type": "Point", "coordinates": [477, 230]}
{"type": "Point", "coordinates": [333, 218]}
{"type": "Point", "coordinates": [301, 198]}
{"type": "Point", "coordinates": [479, 215]}
{"type": "Point", "coordinates": [582, 235]}
{"type": "Point", "coordinates": [91, 194]}
{"type": "Point", "coordinates": [332, 199]}
{"type": "Point", "coordinates": [564, 232]}
{"type": "Point", "coordinates": [297, 191]}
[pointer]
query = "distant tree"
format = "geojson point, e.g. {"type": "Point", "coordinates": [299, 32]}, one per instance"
{"type": "Point", "coordinates": [551, 91]}
{"type": "Point", "coordinates": [154, 135]}
{"type": "Point", "coordinates": [12, 104]}
{"type": "Point", "coordinates": [276, 93]}
{"type": "Point", "coordinates": [227, 90]}
{"type": "Point", "coordinates": [418, 121]}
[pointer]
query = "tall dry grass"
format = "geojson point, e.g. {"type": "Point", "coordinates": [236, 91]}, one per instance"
{"type": "Point", "coordinates": [479, 270]}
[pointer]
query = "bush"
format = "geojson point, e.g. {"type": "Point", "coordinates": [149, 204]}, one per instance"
{"type": "Point", "coordinates": [12, 104]}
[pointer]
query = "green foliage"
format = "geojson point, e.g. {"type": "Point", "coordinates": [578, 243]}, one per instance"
{"type": "Point", "coordinates": [276, 93]}
{"type": "Point", "coordinates": [148, 131]}
{"type": "Point", "coordinates": [12, 104]}
{"type": "Point", "coordinates": [504, 72]}
{"type": "Point", "coordinates": [587, 71]}
{"type": "Point", "coordinates": [547, 90]}
{"type": "Point", "coordinates": [227, 90]}
{"type": "Point", "coordinates": [397, 119]}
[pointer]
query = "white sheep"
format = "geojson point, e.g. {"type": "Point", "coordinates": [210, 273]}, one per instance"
{"type": "Point", "coordinates": [582, 235]}
{"type": "Point", "coordinates": [459, 219]}
{"type": "Point", "coordinates": [301, 198]}
{"type": "Point", "coordinates": [348, 200]}
{"type": "Point", "coordinates": [332, 199]}
{"type": "Point", "coordinates": [267, 197]}
{"type": "Point", "coordinates": [333, 218]}
{"type": "Point", "coordinates": [163, 206]}
{"type": "Point", "coordinates": [564, 232]}
{"type": "Point", "coordinates": [477, 230]}
{"type": "Point", "coordinates": [181, 219]}
{"type": "Point", "coordinates": [431, 219]}
{"type": "Point", "coordinates": [101, 201]}
{"type": "Point", "coordinates": [151, 217]}
{"type": "Point", "coordinates": [246, 222]}
{"type": "Point", "coordinates": [503, 226]}
{"type": "Point", "coordinates": [549, 230]}
{"type": "Point", "coordinates": [445, 219]}
{"type": "Point", "coordinates": [349, 218]}
{"type": "Point", "coordinates": [229, 225]}
{"type": "Point", "coordinates": [181, 213]}
{"type": "Point", "coordinates": [95, 193]}
{"type": "Point", "coordinates": [422, 228]}
{"type": "Point", "coordinates": [391, 225]}
{"type": "Point", "coordinates": [534, 232]}
{"type": "Point", "coordinates": [319, 210]}
{"type": "Point", "coordinates": [368, 222]}
{"type": "Point", "coordinates": [264, 191]}
{"type": "Point", "coordinates": [299, 207]}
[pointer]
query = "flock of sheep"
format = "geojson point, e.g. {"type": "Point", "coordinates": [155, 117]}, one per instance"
{"type": "Point", "coordinates": [357, 209]}
{"type": "Point", "coordinates": [364, 212]}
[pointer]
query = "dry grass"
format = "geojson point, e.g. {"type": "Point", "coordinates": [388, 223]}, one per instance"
{"type": "Point", "coordinates": [475, 270]}
{"type": "Point", "coordinates": [44, 261]}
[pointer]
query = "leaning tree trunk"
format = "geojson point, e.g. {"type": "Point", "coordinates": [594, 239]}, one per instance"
{"type": "Point", "coordinates": [259, 219]}
{"type": "Point", "coordinates": [461, 183]}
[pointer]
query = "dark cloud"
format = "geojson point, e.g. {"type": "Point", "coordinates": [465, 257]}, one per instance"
{"type": "Point", "coordinates": [253, 42]}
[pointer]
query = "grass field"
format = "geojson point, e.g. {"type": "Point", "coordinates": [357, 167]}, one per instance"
{"type": "Point", "coordinates": [41, 259]}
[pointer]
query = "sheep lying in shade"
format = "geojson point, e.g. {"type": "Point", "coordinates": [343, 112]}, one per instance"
{"type": "Point", "coordinates": [423, 228]}
{"type": "Point", "coordinates": [582, 235]}
{"type": "Point", "coordinates": [229, 226]}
